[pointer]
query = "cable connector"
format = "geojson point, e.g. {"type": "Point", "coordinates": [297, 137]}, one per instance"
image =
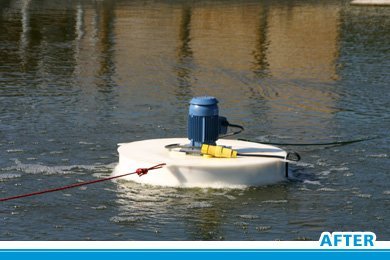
{"type": "Point", "coordinates": [218, 151]}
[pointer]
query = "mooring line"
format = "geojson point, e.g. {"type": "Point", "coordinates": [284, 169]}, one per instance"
{"type": "Point", "coordinates": [139, 171]}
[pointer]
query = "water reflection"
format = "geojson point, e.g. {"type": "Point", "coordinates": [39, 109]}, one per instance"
{"type": "Point", "coordinates": [24, 38]}
{"type": "Point", "coordinates": [294, 42]}
{"type": "Point", "coordinates": [303, 41]}
{"type": "Point", "coordinates": [79, 27]}
{"type": "Point", "coordinates": [206, 222]}
{"type": "Point", "coordinates": [279, 58]}
{"type": "Point", "coordinates": [260, 64]}
{"type": "Point", "coordinates": [95, 44]}
{"type": "Point", "coordinates": [185, 56]}
{"type": "Point", "coordinates": [211, 214]}
{"type": "Point", "coordinates": [106, 46]}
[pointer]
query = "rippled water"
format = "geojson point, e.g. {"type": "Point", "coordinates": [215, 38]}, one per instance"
{"type": "Point", "coordinates": [78, 77]}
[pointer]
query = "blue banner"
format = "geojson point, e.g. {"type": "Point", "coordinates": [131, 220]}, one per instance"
{"type": "Point", "coordinates": [192, 254]}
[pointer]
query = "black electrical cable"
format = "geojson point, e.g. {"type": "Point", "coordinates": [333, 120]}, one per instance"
{"type": "Point", "coordinates": [312, 144]}
{"type": "Point", "coordinates": [241, 128]}
{"type": "Point", "coordinates": [291, 156]}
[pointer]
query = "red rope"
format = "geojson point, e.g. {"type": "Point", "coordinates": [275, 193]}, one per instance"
{"type": "Point", "coordinates": [139, 171]}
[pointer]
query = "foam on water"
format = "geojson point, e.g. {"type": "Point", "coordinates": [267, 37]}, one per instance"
{"type": "Point", "coordinates": [7, 176]}
{"type": "Point", "coordinates": [249, 216]}
{"type": "Point", "coordinates": [224, 194]}
{"type": "Point", "coordinates": [230, 197]}
{"type": "Point", "coordinates": [100, 207]}
{"type": "Point", "coordinates": [263, 228]}
{"type": "Point", "coordinates": [327, 189]}
{"type": "Point", "coordinates": [324, 173]}
{"type": "Point", "coordinates": [15, 151]}
{"type": "Point", "coordinates": [199, 205]}
{"type": "Point", "coordinates": [305, 164]}
{"type": "Point", "coordinates": [126, 219]}
{"type": "Point", "coordinates": [85, 143]}
{"type": "Point", "coordinates": [52, 170]}
{"type": "Point", "coordinates": [311, 182]}
{"type": "Point", "coordinates": [339, 169]}
{"type": "Point", "coordinates": [366, 196]}
{"type": "Point", "coordinates": [381, 155]}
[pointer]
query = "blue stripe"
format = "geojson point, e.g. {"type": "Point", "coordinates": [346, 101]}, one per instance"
{"type": "Point", "coordinates": [158, 254]}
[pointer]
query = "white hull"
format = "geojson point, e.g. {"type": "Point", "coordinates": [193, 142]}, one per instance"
{"type": "Point", "coordinates": [183, 170]}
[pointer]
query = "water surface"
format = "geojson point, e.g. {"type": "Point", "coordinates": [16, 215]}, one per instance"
{"type": "Point", "coordinates": [78, 77]}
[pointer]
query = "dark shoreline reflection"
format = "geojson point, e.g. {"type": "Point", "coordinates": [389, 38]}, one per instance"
{"type": "Point", "coordinates": [185, 56]}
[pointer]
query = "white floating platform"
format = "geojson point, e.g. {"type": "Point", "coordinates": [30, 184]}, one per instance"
{"type": "Point", "coordinates": [184, 170]}
{"type": "Point", "coordinates": [370, 2]}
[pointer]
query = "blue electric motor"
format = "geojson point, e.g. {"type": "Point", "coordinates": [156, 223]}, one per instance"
{"type": "Point", "coordinates": [204, 123]}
